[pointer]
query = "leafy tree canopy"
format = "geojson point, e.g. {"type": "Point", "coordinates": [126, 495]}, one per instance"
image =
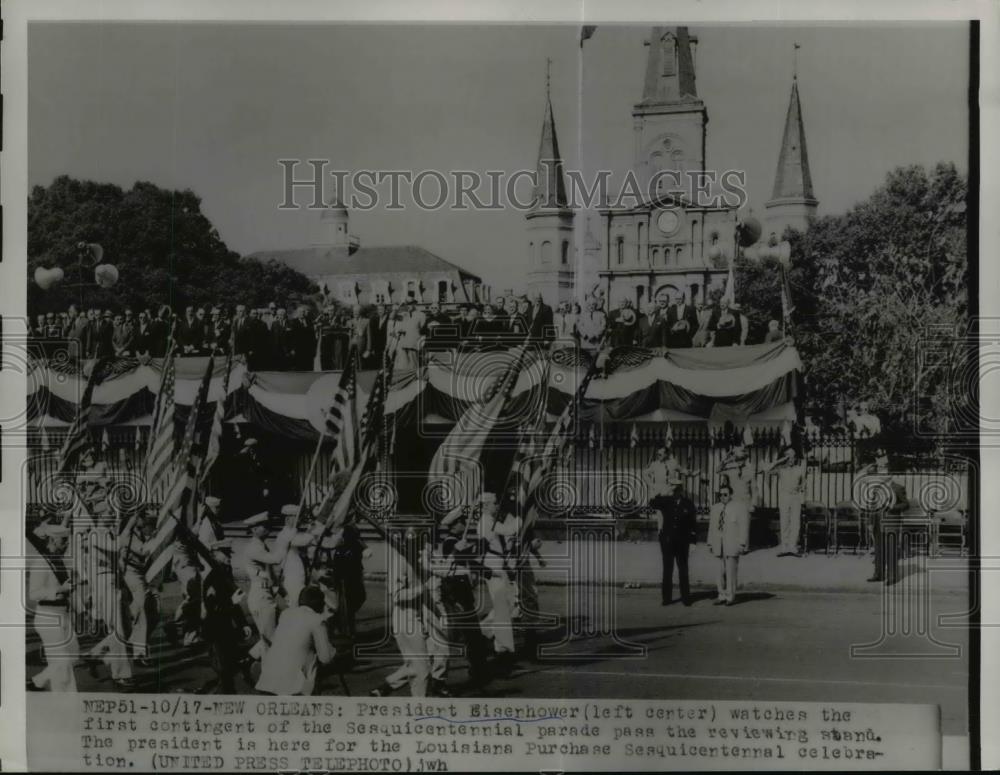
{"type": "Point", "coordinates": [165, 249]}
{"type": "Point", "coordinates": [875, 291]}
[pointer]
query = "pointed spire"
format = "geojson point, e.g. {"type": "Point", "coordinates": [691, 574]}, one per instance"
{"type": "Point", "coordinates": [670, 67]}
{"type": "Point", "coordinates": [550, 187]}
{"type": "Point", "coordinates": [792, 179]}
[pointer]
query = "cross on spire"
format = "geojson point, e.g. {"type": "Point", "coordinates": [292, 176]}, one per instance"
{"type": "Point", "coordinates": [795, 61]}
{"type": "Point", "coordinates": [548, 77]}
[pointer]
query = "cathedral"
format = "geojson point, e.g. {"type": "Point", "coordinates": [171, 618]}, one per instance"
{"type": "Point", "coordinates": [670, 241]}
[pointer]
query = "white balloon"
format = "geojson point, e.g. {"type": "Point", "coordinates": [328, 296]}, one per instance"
{"type": "Point", "coordinates": [105, 275]}
{"type": "Point", "coordinates": [46, 278]}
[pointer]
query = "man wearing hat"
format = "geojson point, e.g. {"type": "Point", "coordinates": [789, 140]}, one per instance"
{"type": "Point", "coordinates": [791, 472]}
{"type": "Point", "coordinates": [49, 588]}
{"type": "Point", "coordinates": [261, 563]}
{"type": "Point", "coordinates": [301, 644]}
{"type": "Point", "coordinates": [677, 530]}
{"type": "Point", "coordinates": [224, 628]}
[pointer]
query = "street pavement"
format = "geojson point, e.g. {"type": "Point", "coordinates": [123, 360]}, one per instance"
{"type": "Point", "coordinates": [771, 646]}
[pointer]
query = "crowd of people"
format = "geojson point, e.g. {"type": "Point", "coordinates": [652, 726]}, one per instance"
{"type": "Point", "coordinates": [304, 338]}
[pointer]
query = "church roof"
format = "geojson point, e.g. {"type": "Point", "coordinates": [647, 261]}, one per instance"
{"type": "Point", "coordinates": [320, 260]}
{"type": "Point", "coordinates": [792, 179]}
{"type": "Point", "coordinates": [550, 188]}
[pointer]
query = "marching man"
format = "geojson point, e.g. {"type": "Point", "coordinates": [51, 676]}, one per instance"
{"type": "Point", "coordinates": [49, 588]}
{"type": "Point", "coordinates": [261, 562]}
{"type": "Point", "coordinates": [500, 532]}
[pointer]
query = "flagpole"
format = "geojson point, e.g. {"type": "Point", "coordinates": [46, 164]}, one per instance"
{"type": "Point", "coordinates": [352, 364]}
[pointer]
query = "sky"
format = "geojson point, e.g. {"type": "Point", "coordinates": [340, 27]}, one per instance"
{"type": "Point", "coordinates": [212, 107]}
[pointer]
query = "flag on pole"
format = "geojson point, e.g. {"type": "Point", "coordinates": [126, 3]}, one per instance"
{"type": "Point", "coordinates": [215, 433]}
{"type": "Point", "coordinates": [633, 439]}
{"type": "Point", "coordinates": [78, 438]}
{"type": "Point", "coordinates": [559, 442]}
{"type": "Point", "coordinates": [183, 481]}
{"type": "Point", "coordinates": [457, 458]}
{"type": "Point", "coordinates": [161, 433]}
{"type": "Point", "coordinates": [341, 418]}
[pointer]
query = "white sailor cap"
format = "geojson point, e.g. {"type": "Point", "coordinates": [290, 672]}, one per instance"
{"type": "Point", "coordinates": [256, 519]}
{"type": "Point", "coordinates": [290, 510]}
{"type": "Point", "coordinates": [212, 502]}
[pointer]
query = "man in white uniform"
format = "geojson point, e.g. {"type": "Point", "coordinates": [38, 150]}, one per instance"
{"type": "Point", "coordinates": [260, 563]}
{"type": "Point", "coordinates": [49, 588]}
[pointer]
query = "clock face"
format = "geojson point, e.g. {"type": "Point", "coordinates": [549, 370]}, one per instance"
{"type": "Point", "coordinates": [668, 221]}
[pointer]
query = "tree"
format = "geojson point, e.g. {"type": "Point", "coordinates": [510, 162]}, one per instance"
{"type": "Point", "coordinates": [166, 250]}
{"type": "Point", "coordinates": [877, 287]}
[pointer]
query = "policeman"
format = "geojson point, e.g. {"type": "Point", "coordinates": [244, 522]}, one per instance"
{"type": "Point", "coordinates": [261, 564]}
{"type": "Point", "coordinates": [676, 528]}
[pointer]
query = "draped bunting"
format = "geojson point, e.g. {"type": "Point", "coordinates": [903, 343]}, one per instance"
{"type": "Point", "coordinates": [741, 384]}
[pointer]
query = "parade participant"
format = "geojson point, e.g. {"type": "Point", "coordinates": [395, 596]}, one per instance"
{"type": "Point", "coordinates": [677, 530]}
{"type": "Point", "coordinates": [791, 472]}
{"type": "Point", "coordinates": [728, 538]}
{"type": "Point", "coordinates": [133, 556]}
{"type": "Point", "coordinates": [108, 609]}
{"type": "Point", "coordinates": [209, 525]}
{"type": "Point", "coordinates": [224, 628]}
{"type": "Point", "coordinates": [408, 594]}
{"type": "Point", "coordinates": [499, 530]}
{"type": "Point", "coordinates": [261, 563]}
{"type": "Point", "coordinates": [49, 588]}
{"type": "Point", "coordinates": [187, 617]}
{"type": "Point", "coordinates": [526, 592]}
{"type": "Point", "coordinates": [300, 644]}
{"type": "Point", "coordinates": [458, 595]}
{"type": "Point", "coordinates": [293, 569]}
{"type": "Point", "coordinates": [347, 577]}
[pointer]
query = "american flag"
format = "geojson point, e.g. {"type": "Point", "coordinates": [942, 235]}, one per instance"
{"type": "Point", "coordinates": [215, 434]}
{"type": "Point", "coordinates": [532, 470]}
{"type": "Point", "coordinates": [341, 418]}
{"type": "Point", "coordinates": [180, 495]}
{"type": "Point", "coordinates": [457, 458]}
{"type": "Point", "coordinates": [335, 505]}
{"type": "Point", "coordinates": [78, 438]}
{"type": "Point", "coordinates": [161, 433]}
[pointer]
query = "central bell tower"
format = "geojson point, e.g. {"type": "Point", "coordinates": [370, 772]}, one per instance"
{"type": "Point", "coordinates": [669, 121]}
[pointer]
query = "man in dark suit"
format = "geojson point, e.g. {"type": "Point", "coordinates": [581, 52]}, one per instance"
{"type": "Point", "coordinates": [189, 333]}
{"type": "Point", "coordinates": [677, 531]}
{"type": "Point", "coordinates": [159, 332]}
{"type": "Point", "coordinates": [142, 342]}
{"type": "Point", "coordinates": [280, 341]}
{"type": "Point", "coordinates": [682, 323]}
{"type": "Point", "coordinates": [242, 332]}
{"type": "Point", "coordinates": [542, 326]}
{"type": "Point", "coordinates": [105, 337]}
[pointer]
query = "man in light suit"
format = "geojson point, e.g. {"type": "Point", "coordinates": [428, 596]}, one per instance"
{"type": "Point", "coordinates": [300, 644]}
{"type": "Point", "coordinates": [728, 538]}
{"type": "Point", "coordinates": [682, 323]}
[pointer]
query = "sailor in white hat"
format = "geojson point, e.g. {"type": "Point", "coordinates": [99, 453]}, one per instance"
{"type": "Point", "coordinates": [261, 563]}
{"type": "Point", "coordinates": [501, 532]}
{"type": "Point", "coordinates": [49, 588]}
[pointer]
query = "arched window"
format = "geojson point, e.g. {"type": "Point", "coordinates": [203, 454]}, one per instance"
{"type": "Point", "coordinates": [656, 256]}
{"type": "Point", "coordinates": [412, 290]}
{"type": "Point", "coordinates": [546, 252]}
{"type": "Point", "coordinates": [620, 248]}
{"type": "Point", "coordinates": [565, 252]}
{"type": "Point", "coordinates": [638, 242]}
{"type": "Point", "coordinates": [442, 288]}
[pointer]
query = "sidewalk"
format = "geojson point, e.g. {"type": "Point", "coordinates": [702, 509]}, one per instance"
{"type": "Point", "coordinates": [639, 562]}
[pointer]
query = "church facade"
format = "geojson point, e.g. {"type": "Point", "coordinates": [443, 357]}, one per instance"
{"type": "Point", "coordinates": [671, 240]}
